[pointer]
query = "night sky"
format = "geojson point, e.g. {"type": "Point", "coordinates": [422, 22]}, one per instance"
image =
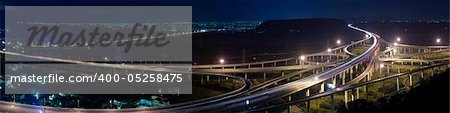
{"type": "Point", "coordinates": [233, 10]}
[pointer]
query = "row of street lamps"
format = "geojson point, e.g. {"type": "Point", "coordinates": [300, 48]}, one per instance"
{"type": "Point", "coordinates": [398, 39]}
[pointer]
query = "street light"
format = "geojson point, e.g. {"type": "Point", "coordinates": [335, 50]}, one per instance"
{"type": "Point", "coordinates": [338, 41]}
{"type": "Point", "coordinates": [302, 57]}
{"type": "Point", "coordinates": [398, 39]}
{"type": "Point", "coordinates": [328, 50]}
{"type": "Point", "coordinates": [395, 43]}
{"type": "Point", "coordinates": [222, 61]}
{"type": "Point", "coordinates": [438, 40]}
{"type": "Point", "coordinates": [367, 35]}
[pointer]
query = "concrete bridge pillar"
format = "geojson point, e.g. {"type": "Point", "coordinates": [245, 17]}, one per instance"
{"type": "Point", "coordinates": [421, 74]}
{"type": "Point", "coordinates": [410, 80]}
{"type": "Point", "coordinates": [352, 97]}
{"type": "Point", "coordinates": [343, 78]}
{"type": "Point", "coordinates": [398, 85]}
{"type": "Point", "coordinates": [351, 73]}
{"type": "Point", "coordinates": [356, 66]}
{"type": "Point", "coordinates": [334, 80]}
{"type": "Point", "coordinates": [322, 87]}
{"type": "Point", "coordinates": [307, 92]}
{"type": "Point", "coordinates": [289, 108]}
{"type": "Point", "coordinates": [245, 76]}
{"type": "Point", "coordinates": [332, 103]}
{"type": "Point", "coordinates": [432, 71]}
{"type": "Point", "coordinates": [387, 67]}
{"type": "Point", "coordinates": [308, 103]}
{"type": "Point", "coordinates": [264, 76]}
{"type": "Point", "coordinates": [357, 93]}
{"type": "Point", "coordinates": [207, 78]}
{"type": "Point", "coordinates": [346, 99]}
{"type": "Point", "coordinates": [201, 79]}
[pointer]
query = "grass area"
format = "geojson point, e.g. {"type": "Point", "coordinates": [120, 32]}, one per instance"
{"type": "Point", "coordinates": [359, 50]}
{"type": "Point", "coordinates": [374, 92]}
{"type": "Point", "coordinates": [430, 96]}
{"type": "Point", "coordinates": [431, 56]}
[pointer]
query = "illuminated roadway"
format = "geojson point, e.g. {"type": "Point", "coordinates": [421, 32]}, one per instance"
{"type": "Point", "coordinates": [239, 99]}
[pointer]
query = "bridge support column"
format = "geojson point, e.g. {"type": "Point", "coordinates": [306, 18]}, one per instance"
{"type": "Point", "coordinates": [201, 79]}
{"type": "Point", "coordinates": [357, 93]}
{"type": "Point", "coordinates": [398, 85]}
{"type": "Point", "coordinates": [438, 70]}
{"type": "Point", "coordinates": [387, 67]}
{"type": "Point", "coordinates": [308, 106]}
{"type": "Point", "coordinates": [410, 80]}
{"type": "Point", "coordinates": [289, 107]}
{"type": "Point", "coordinates": [351, 73]}
{"type": "Point", "coordinates": [352, 97]}
{"type": "Point", "coordinates": [322, 87]}
{"type": "Point", "coordinates": [421, 74]}
{"type": "Point", "coordinates": [343, 78]}
{"type": "Point", "coordinates": [308, 103]}
{"type": "Point", "coordinates": [346, 99]}
{"type": "Point", "coordinates": [334, 80]}
{"type": "Point", "coordinates": [366, 88]}
{"type": "Point", "coordinates": [218, 77]}
{"type": "Point", "coordinates": [207, 78]}
{"type": "Point", "coordinates": [432, 71]}
{"type": "Point", "coordinates": [245, 76]}
{"type": "Point", "coordinates": [264, 76]}
{"type": "Point", "coordinates": [332, 103]}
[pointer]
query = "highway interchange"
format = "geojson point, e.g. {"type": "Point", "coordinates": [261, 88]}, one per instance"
{"type": "Point", "coordinates": [252, 97]}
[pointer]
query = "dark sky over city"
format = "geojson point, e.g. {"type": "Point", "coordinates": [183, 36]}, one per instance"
{"type": "Point", "coordinates": [232, 10]}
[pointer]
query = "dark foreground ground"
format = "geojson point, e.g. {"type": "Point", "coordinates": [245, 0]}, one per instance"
{"type": "Point", "coordinates": [431, 96]}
